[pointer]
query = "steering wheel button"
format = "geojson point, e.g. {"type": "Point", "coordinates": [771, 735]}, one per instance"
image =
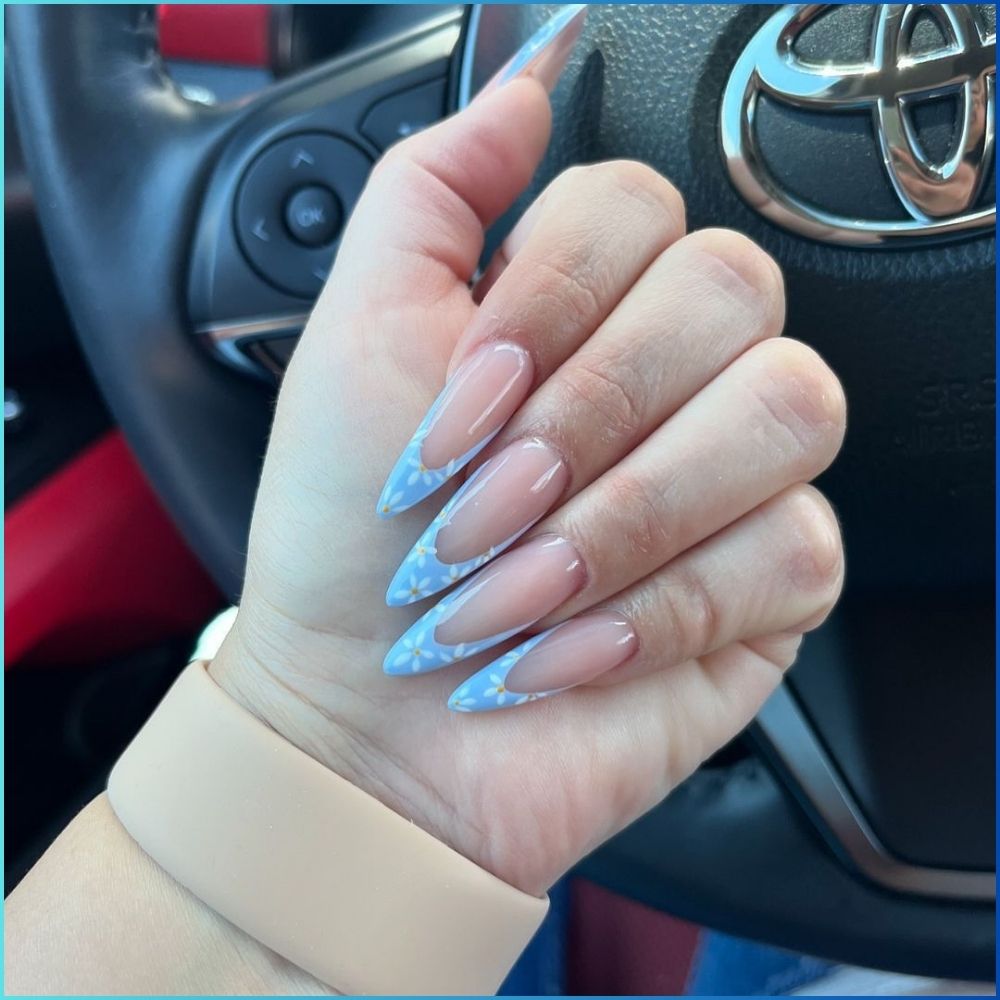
{"type": "Point", "coordinates": [260, 230]}
{"type": "Point", "coordinates": [290, 207]}
{"type": "Point", "coordinates": [313, 215]}
{"type": "Point", "coordinates": [302, 157]}
{"type": "Point", "coordinates": [399, 115]}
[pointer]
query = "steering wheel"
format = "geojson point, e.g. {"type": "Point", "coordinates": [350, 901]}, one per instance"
{"type": "Point", "coordinates": [856, 820]}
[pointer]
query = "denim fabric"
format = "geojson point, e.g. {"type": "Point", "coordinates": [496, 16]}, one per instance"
{"type": "Point", "coordinates": [541, 969]}
{"type": "Point", "coordinates": [728, 966]}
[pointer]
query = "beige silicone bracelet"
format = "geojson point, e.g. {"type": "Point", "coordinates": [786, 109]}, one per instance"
{"type": "Point", "coordinates": [306, 863]}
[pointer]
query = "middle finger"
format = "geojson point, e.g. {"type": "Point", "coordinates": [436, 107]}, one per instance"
{"type": "Point", "coordinates": [774, 418]}
{"type": "Point", "coordinates": [701, 304]}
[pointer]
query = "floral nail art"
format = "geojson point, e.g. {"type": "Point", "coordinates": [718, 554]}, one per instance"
{"type": "Point", "coordinates": [432, 654]}
{"type": "Point", "coordinates": [411, 481]}
{"type": "Point", "coordinates": [472, 407]}
{"type": "Point", "coordinates": [510, 492]}
{"type": "Point", "coordinates": [423, 574]}
{"type": "Point", "coordinates": [486, 691]}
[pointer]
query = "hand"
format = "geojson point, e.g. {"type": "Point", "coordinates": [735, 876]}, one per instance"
{"type": "Point", "coordinates": [659, 434]}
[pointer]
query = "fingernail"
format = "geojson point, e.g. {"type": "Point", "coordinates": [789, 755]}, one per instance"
{"type": "Point", "coordinates": [487, 515]}
{"type": "Point", "coordinates": [544, 55]}
{"type": "Point", "coordinates": [501, 600]}
{"type": "Point", "coordinates": [477, 401]}
{"type": "Point", "coordinates": [572, 653]}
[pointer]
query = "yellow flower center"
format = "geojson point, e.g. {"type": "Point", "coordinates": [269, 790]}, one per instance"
{"type": "Point", "coordinates": [500, 689]}
{"type": "Point", "coordinates": [417, 652]}
{"type": "Point", "coordinates": [385, 509]}
{"type": "Point", "coordinates": [414, 591]}
{"type": "Point", "coordinates": [423, 468]}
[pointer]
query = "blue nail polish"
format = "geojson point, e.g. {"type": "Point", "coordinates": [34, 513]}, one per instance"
{"type": "Point", "coordinates": [487, 495]}
{"type": "Point", "coordinates": [506, 596]}
{"type": "Point", "coordinates": [473, 407]}
{"type": "Point", "coordinates": [411, 481]}
{"type": "Point", "coordinates": [422, 574]}
{"type": "Point", "coordinates": [486, 691]}
{"type": "Point", "coordinates": [418, 652]}
{"type": "Point", "coordinates": [581, 649]}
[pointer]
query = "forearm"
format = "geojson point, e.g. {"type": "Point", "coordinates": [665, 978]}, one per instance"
{"type": "Point", "coordinates": [97, 916]}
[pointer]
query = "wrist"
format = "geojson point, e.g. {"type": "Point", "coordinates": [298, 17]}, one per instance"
{"type": "Point", "coordinates": [291, 679]}
{"type": "Point", "coordinates": [303, 861]}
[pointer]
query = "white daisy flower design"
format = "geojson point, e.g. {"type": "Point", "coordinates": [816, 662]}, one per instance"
{"type": "Point", "coordinates": [420, 473]}
{"type": "Point", "coordinates": [454, 575]}
{"type": "Point", "coordinates": [421, 552]}
{"type": "Point", "coordinates": [416, 589]}
{"type": "Point", "coordinates": [461, 701]}
{"type": "Point", "coordinates": [389, 504]}
{"type": "Point", "coordinates": [506, 664]}
{"type": "Point", "coordinates": [414, 652]}
{"type": "Point", "coordinates": [458, 652]}
{"type": "Point", "coordinates": [498, 692]}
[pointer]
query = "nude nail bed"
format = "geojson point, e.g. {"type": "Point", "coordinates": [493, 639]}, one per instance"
{"type": "Point", "coordinates": [500, 502]}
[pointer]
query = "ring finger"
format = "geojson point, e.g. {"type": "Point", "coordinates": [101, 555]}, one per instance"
{"type": "Point", "coordinates": [595, 233]}
{"type": "Point", "coordinates": [778, 567]}
{"type": "Point", "coordinates": [698, 306]}
{"type": "Point", "coordinates": [774, 418]}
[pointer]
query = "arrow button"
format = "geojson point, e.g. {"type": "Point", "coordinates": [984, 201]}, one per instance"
{"type": "Point", "coordinates": [300, 156]}
{"type": "Point", "coordinates": [260, 231]}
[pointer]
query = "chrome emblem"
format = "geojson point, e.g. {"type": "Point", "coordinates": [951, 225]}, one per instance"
{"type": "Point", "coordinates": [939, 198]}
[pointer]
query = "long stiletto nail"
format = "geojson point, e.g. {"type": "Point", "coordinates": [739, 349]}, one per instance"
{"type": "Point", "coordinates": [544, 55]}
{"type": "Point", "coordinates": [572, 653]}
{"type": "Point", "coordinates": [501, 600]}
{"type": "Point", "coordinates": [474, 405]}
{"type": "Point", "coordinates": [488, 514]}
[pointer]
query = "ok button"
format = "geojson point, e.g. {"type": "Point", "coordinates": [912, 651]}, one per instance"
{"type": "Point", "coordinates": [313, 215]}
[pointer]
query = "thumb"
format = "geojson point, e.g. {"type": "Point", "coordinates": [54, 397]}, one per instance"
{"type": "Point", "coordinates": [417, 232]}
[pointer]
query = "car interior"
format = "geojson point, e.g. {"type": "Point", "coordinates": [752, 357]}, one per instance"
{"type": "Point", "coordinates": [176, 179]}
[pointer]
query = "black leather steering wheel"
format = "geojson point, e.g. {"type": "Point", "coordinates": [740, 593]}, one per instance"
{"type": "Point", "coordinates": [860, 825]}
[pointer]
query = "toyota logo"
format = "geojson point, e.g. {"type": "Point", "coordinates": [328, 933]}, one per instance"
{"type": "Point", "coordinates": [938, 198]}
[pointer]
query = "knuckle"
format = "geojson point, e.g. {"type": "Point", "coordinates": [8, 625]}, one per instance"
{"type": "Point", "coordinates": [660, 202]}
{"type": "Point", "coordinates": [739, 267]}
{"type": "Point", "coordinates": [691, 610]}
{"type": "Point", "coordinates": [801, 397]}
{"type": "Point", "coordinates": [612, 405]}
{"type": "Point", "coordinates": [816, 560]}
{"type": "Point", "coordinates": [570, 279]}
{"type": "Point", "coordinates": [641, 181]}
{"type": "Point", "coordinates": [646, 535]}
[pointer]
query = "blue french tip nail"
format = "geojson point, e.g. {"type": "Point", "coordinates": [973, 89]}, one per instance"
{"type": "Point", "coordinates": [590, 645]}
{"type": "Point", "coordinates": [411, 481]}
{"type": "Point", "coordinates": [418, 651]}
{"type": "Point", "coordinates": [473, 407]}
{"type": "Point", "coordinates": [486, 691]}
{"type": "Point", "coordinates": [422, 573]}
{"type": "Point", "coordinates": [528, 59]}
